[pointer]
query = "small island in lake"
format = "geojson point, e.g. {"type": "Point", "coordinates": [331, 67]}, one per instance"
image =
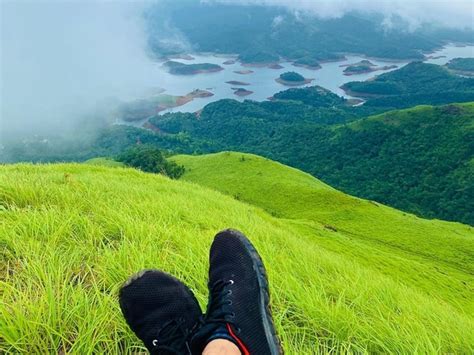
{"type": "Point", "coordinates": [243, 72]}
{"type": "Point", "coordinates": [363, 67]}
{"type": "Point", "coordinates": [242, 92]}
{"type": "Point", "coordinates": [292, 79]}
{"type": "Point", "coordinates": [461, 66]}
{"type": "Point", "coordinates": [229, 62]}
{"type": "Point", "coordinates": [275, 66]}
{"type": "Point", "coordinates": [308, 63]}
{"type": "Point", "coordinates": [235, 82]}
{"type": "Point", "coordinates": [178, 68]}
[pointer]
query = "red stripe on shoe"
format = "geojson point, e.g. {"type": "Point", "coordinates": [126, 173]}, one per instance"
{"type": "Point", "coordinates": [242, 347]}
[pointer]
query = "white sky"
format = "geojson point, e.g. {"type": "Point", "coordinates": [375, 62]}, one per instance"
{"type": "Point", "coordinates": [59, 59]}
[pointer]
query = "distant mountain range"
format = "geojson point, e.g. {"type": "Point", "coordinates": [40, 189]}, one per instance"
{"type": "Point", "coordinates": [265, 33]}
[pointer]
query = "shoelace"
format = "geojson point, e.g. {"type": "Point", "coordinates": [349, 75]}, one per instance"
{"type": "Point", "coordinates": [170, 337]}
{"type": "Point", "coordinates": [218, 311]}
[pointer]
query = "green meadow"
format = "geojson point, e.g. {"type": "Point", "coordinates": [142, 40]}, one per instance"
{"type": "Point", "coordinates": [346, 275]}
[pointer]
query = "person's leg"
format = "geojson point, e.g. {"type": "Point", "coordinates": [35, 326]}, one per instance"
{"type": "Point", "coordinates": [238, 312]}
{"type": "Point", "coordinates": [221, 347]}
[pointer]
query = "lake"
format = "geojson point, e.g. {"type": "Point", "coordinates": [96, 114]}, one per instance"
{"type": "Point", "coordinates": [262, 80]}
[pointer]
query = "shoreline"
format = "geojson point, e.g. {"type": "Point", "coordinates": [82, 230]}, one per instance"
{"type": "Point", "coordinates": [199, 71]}
{"type": "Point", "coordinates": [182, 100]}
{"type": "Point", "coordinates": [158, 103]}
{"type": "Point", "coordinates": [256, 65]}
{"type": "Point", "coordinates": [357, 94]}
{"type": "Point", "coordinates": [233, 56]}
{"type": "Point", "coordinates": [306, 66]}
{"type": "Point", "coordinates": [294, 83]}
{"type": "Point", "coordinates": [240, 68]}
{"type": "Point", "coordinates": [238, 83]}
{"type": "Point", "coordinates": [242, 92]}
{"type": "Point", "coordinates": [373, 70]}
{"type": "Point", "coordinates": [243, 72]}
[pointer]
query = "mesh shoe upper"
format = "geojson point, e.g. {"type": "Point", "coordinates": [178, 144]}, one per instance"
{"type": "Point", "coordinates": [238, 297]}
{"type": "Point", "coordinates": [161, 311]}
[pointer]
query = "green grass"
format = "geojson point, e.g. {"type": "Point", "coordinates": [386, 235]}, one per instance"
{"type": "Point", "coordinates": [105, 162]}
{"type": "Point", "coordinates": [346, 275]}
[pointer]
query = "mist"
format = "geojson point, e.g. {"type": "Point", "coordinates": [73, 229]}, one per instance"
{"type": "Point", "coordinates": [454, 13]}
{"type": "Point", "coordinates": [64, 62]}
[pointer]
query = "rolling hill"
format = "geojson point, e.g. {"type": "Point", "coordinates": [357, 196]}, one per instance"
{"type": "Point", "coordinates": [346, 275]}
{"type": "Point", "coordinates": [418, 159]}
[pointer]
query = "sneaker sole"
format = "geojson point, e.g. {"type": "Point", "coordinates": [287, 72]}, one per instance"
{"type": "Point", "coordinates": [264, 301]}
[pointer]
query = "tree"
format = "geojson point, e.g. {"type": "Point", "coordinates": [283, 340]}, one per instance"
{"type": "Point", "coordinates": [150, 159]}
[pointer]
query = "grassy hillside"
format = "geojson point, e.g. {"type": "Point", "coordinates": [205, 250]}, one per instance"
{"type": "Point", "coordinates": [105, 162]}
{"type": "Point", "coordinates": [291, 194]}
{"type": "Point", "coordinates": [418, 159]}
{"type": "Point", "coordinates": [346, 275]}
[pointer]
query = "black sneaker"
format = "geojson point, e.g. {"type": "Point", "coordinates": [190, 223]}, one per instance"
{"type": "Point", "coordinates": [161, 310]}
{"type": "Point", "coordinates": [238, 308]}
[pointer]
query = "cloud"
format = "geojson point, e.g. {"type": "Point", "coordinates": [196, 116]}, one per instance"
{"type": "Point", "coordinates": [452, 13]}
{"type": "Point", "coordinates": [61, 60]}
{"type": "Point", "coordinates": [277, 20]}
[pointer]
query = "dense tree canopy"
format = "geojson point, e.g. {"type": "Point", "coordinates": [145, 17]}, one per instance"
{"type": "Point", "coordinates": [414, 84]}
{"type": "Point", "coordinates": [419, 160]}
{"type": "Point", "coordinates": [462, 64]}
{"type": "Point", "coordinates": [150, 159]}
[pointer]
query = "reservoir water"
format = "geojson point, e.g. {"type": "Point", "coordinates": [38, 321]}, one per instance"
{"type": "Point", "coordinates": [262, 80]}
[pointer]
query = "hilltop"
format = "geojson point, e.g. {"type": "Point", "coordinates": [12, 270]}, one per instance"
{"type": "Point", "coordinates": [347, 275]}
